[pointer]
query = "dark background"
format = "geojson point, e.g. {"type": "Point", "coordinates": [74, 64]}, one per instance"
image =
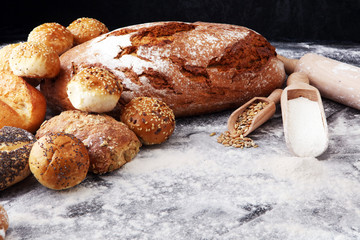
{"type": "Point", "coordinates": [277, 20]}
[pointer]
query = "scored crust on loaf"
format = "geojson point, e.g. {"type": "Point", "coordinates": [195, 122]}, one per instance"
{"type": "Point", "coordinates": [193, 67]}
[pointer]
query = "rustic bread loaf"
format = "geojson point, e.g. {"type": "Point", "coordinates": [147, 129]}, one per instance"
{"type": "Point", "coordinates": [110, 143]}
{"type": "Point", "coordinates": [194, 68]}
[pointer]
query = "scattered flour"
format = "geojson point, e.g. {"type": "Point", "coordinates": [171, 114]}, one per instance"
{"type": "Point", "coordinates": [307, 133]}
{"type": "Point", "coordinates": [298, 169]}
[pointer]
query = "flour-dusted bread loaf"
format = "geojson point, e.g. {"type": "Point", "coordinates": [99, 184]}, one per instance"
{"type": "Point", "coordinates": [194, 68]}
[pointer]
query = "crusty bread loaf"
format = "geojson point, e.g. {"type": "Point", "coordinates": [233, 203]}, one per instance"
{"type": "Point", "coordinates": [194, 68]}
{"type": "Point", "coordinates": [59, 160]}
{"type": "Point", "coordinates": [15, 146]}
{"type": "Point", "coordinates": [4, 222]}
{"type": "Point", "coordinates": [110, 143]}
{"type": "Point", "coordinates": [21, 105]}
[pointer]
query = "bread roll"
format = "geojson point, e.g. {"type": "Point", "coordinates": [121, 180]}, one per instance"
{"type": "Point", "coordinates": [5, 53]}
{"type": "Point", "coordinates": [59, 161]}
{"type": "Point", "coordinates": [15, 146]}
{"type": "Point", "coordinates": [195, 68]}
{"type": "Point", "coordinates": [34, 60]}
{"type": "Point", "coordinates": [94, 89]}
{"type": "Point", "coordinates": [4, 222]}
{"type": "Point", "coordinates": [21, 105]}
{"type": "Point", "coordinates": [110, 143]}
{"type": "Point", "coordinates": [53, 35]}
{"type": "Point", "coordinates": [151, 119]}
{"type": "Point", "coordinates": [85, 29]}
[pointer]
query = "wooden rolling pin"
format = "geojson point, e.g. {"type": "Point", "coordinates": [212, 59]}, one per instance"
{"type": "Point", "coordinates": [335, 80]}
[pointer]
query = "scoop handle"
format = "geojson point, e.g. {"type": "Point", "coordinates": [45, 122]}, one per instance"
{"type": "Point", "coordinates": [275, 96]}
{"type": "Point", "coordinates": [297, 77]}
{"type": "Point", "coordinates": [289, 64]}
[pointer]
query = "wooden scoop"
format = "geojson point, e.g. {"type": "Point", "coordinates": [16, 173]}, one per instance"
{"type": "Point", "coordinates": [298, 86]}
{"type": "Point", "coordinates": [261, 117]}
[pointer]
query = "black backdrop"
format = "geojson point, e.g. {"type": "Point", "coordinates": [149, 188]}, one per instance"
{"type": "Point", "coordinates": [277, 20]}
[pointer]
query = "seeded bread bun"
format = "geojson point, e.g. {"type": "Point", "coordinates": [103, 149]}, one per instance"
{"type": "Point", "coordinates": [5, 53]}
{"type": "Point", "coordinates": [34, 60]}
{"type": "Point", "coordinates": [21, 105]}
{"type": "Point", "coordinates": [110, 143]}
{"type": "Point", "coordinates": [85, 29]}
{"type": "Point", "coordinates": [195, 68]}
{"type": "Point", "coordinates": [59, 161]}
{"type": "Point", "coordinates": [4, 222]}
{"type": "Point", "coordinates": [15, 146]}
{"type": "Point", "coordinates": [94, 89]}
{"type": "Point", "coordinates": [53, 35]}
{"type": "Point", "coordinates": [151, 119]}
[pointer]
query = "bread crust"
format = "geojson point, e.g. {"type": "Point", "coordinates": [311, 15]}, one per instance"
{"type": "Point", "coordinates": [4, 222]}
{"type": "Point", "coordinates": [53, 35]}
{"type": "Point", "coordinates": [84, 29]}
{"type": "Point", "coordinates": [59, 161]}
{"type": "Point", "coordinates": [15, 146]}
{"type": "Point", "coordinates": [110, 143]}
{"type": "Point", "coordinates": [151, 119]}
{"type": "Point", "coordinates": [195, 68]}
{"type": "Point", "coordinates": [21, 105]}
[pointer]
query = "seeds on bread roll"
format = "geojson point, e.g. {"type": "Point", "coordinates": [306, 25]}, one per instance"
{"type": "Point", "coordinates": [151, 119]}
{"type": "Point", "coordinates": [15, 146]}
{"type": "Point", "coordinates": [59, 161]}
{"type": "Point", "coordinates": [110, 143]}
{"type": "Point", "coordinates": [94, 89]}
{"type": "Point", "coordinates": [4, 222]}
{"type": "Point", "coordinates": [85, 29]}
{"type": "Point", "coordinates": [195, 68]}
{"type": "Point", "coordinates": [34, 60]}
{"type": "Point", "coordinates": [5, 53]}
{"type": "Point", "coordinates": [21, 105]}
{"type": "Point", "coordinates": [53, 35]}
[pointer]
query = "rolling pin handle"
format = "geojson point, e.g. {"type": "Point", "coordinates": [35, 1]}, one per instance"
{"type": "Point", "coordinates": [297, 77]}
{"type": "Point", "coordinates": [289, 64]}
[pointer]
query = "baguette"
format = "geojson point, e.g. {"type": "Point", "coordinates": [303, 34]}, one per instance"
{"type": "Point", "coordinates": [195, 68]}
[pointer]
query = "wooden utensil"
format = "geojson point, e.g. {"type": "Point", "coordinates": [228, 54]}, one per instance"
{"type": "Point", "coordinates": [335, 80]}
{"type": "Point", "coordinates": [261, 117]}
{"type": "Point", "coordinates": [298, 86]}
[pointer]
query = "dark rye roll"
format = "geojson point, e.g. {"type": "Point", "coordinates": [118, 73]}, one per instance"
{"type": "Point", "coordinates": [15, 147]}
{"type": "Point", "coordinates": [194, 68]}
